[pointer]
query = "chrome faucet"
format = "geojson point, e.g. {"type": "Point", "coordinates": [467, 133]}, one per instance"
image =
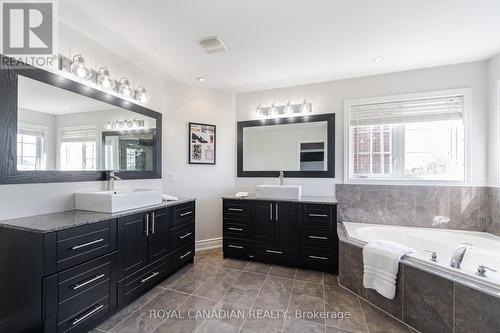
{"type": "Point", "coordinates": [459, 254]}
{"type": "Point", "coordinates": [282, 178]}
{"type": "Point", "coordinates": [112, 179]}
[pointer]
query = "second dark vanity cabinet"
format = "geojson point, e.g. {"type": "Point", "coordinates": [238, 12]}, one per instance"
{"type": "Point", "coordinates": [281, 232]}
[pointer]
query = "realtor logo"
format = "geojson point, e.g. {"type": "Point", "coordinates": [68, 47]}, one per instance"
{"type": "Point", "coordinates": [27, 28]}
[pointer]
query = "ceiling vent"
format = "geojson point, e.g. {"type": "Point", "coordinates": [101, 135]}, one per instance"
{"type": "Point", "coordinates": [213, 45]}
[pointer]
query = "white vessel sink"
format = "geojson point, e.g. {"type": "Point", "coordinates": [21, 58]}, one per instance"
{"type": "Point", "coordinates": [293, 192]}
{"type": "Point", "coordinates": [117, 200]}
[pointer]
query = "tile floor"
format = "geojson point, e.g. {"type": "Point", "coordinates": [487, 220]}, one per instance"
{"type": "Point", "coordinates": [248, 297]}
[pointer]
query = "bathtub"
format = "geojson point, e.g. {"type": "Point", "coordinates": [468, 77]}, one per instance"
{"type": "Point", "coordinates": [485, 248]}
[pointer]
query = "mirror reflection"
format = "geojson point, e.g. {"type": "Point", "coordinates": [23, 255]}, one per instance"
{"type": "Point", "coordinates": [288, 147]}
{"type": "Point", "coordinates": [61, 130]}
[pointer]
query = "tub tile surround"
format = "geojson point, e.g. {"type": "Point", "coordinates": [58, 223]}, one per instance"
{"type": "Point", "coordinates": [446, 207]}
{"type": "Point", "coordinates": [493, 211]}
{"type": "Point", "coordinates": [424, 301]}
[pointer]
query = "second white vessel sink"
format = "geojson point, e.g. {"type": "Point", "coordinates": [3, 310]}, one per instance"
{"type": "Point", "coordinates": [117, 200]}
{"type": "Point", "coordinates": [293, 192]}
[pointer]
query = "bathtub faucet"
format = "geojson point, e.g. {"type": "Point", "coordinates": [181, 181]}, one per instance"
{"type": "Point", "coordinates": [459, 254]}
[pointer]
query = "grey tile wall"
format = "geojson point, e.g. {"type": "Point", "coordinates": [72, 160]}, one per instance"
{"type": "Point", "coordinates": [493, 211]}
{"type": "Point", "coordinates": [446, 207]}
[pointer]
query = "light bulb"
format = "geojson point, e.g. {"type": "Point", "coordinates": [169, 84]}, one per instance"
{"type": "Point", "coordinates": [108, 125]}
{"type": "Point", "coordinates": [305, 107]}
{"type": "Point", "coordinates": [124, 88]}
{"type": "Point", "coordinates": [258, 112]}
{"type": "Point", "coordinates": [273, 110]}
{"type": "Point", "coordinates": [104, 80]}
{"type": "Point", "coordinates": [141, 94]}
{"type": "Point", "coordinates": [79, 68]}
{"type": "Point", "coordinates": [288, 109]}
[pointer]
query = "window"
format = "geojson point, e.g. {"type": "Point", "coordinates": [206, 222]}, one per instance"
{"type": "Point", "coordinates": [30, 147]}
{"type": "Point", "coordinates": [410, 138]}
{"type": "Point", "coordinates": [78, 148]}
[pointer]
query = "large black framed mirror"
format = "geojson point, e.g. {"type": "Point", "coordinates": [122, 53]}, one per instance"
{"type": "Point", "coordinates": [54, 129]}
{"type": "Point", "coordinates": [300, 146]}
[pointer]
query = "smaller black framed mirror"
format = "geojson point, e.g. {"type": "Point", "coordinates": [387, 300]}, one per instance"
{"type": "Point", "coordinates": [300, 146]}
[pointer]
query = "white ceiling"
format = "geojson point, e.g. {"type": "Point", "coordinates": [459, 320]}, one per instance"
{"type": "Point", "coordinates": [275, 43]}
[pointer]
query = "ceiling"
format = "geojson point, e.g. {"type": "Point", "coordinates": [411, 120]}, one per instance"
{"type": "Point", "coordinates": [276, 43]}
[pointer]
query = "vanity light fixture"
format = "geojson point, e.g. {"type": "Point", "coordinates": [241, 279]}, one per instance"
{"type": "Point", "coordinates": [79, 68]}
{"type": "Point", "coordinates": [141, 94]}
{"type": "Point", "coordinates": [104, 80]}
{"type": "Point", "coordinates": [273, 111]}
{"type": "Point", "coordinates": [288, 109]}
{"type": "Point", "coordinates": [284, 110]}
{"type": "Point", "coordinates": [126, 124]}
{"type": "Point", "coordinates": [124, 88]}
{"type": "Point", "coordinates": [305, 107]}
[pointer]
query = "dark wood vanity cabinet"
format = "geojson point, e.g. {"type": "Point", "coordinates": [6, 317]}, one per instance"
{"type": "Point", "coordinates": [286, 233]}
{"type": "Point", "coordinates": [73, 279]}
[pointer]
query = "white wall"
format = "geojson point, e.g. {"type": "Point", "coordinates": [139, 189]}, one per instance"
{"type": "Point", "coordinates": [494, 121]}
{"type": "Point", "coordinates": [179, 105]}
{"type": "Point", "coordinates": [328, 97]}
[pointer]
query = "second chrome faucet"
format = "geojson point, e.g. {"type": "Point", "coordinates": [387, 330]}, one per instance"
{"type": "Point", "coordinates": [458, 255]}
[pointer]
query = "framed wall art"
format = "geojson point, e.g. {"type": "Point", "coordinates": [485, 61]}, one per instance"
{"type": "Point", "coordinates": [202, 143]}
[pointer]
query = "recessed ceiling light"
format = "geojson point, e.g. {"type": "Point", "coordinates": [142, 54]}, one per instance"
{"type": "Point", "coordinates": [200, 78]}
{"type": "Point", "coordinates": [378, 59]}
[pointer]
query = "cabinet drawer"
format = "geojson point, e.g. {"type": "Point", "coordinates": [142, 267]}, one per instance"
{"type": "Point", "coordinates": [311, 237]}
{"type": "Point", "coordinates": [77, 245]}
{"type": "Point", "coordinates": [236, 248]}
{"type": "Point", "coordinates": [319, 259]}
{"type": "Point", "coordinates": [147, 277]}
{"type": "Point", "coordinates": [182, 213]}
{"type": "Point", "coordinates": [236, 229]}
{"type": "Point", "coordinates": [75, 283]}
{"type": "Point", "coordinates": [181, 257]}
{"type": "Point", "coordinates": [236, 209]}
{"type": "Point", "coordinates": [86, 315]}
{"type": "Point", "coordinates": [319, 215]}
{"type": "Point", "coordinates": [277, 254]}
{"type": "Point", "coordinates": [181, 236]}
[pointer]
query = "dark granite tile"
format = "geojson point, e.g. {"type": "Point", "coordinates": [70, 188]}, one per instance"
{"type": "Point", "coordinates": [483, 208]}
{"type": "Point", "coordinates": [475, 311]}
{"type": "Point", "coordinates": [302, 326]}
{"type": "Point", "coordinates": [432, 206]}
{"type": "Point", "coordinates": [230, 323]}
{"type": "Point", "coordinates": [282, 271]}
{"type": "Point", "coordinates": [392, 306]}
{"type": "Point", "coordinates": [349, 205]}
{"type": "Point", "coordinates": [192, 279]}
{"type": "Point", "coordinates": [331, 279]}
{"type": "Point", "coordinates": [379, 322]}
{"type": "Point", "coordinates": [258, 267]}
{"type": "Point", "coordinates": [373, 199]}
{"type": "Point", "coordinates": [428, 301]}
{"type": "Point", "coordinates": [234, 263]}
{"type": "Point", "coordinates": [307, 298]}
{"type": "Point", "coordinates": [216, 286]}
{"type": "Point", "coordinates": [310, 276]}
{"type": "Point", "coordinates": [351, 268]}
{"type": "Point", "coordinates": [464, 208]}
{"type": "Point", "coordinates": [400, 205]}
{"type": "Point", "coordinates": [256, 324]}
{"type": "Point", "coordinates": [245, 290]}
{"type": "Point", "coordinates": [339, 300]}
{"type": "Point", "coordinates": [335, 330]}
{"type": "Point", "coordinates": [274, 294]}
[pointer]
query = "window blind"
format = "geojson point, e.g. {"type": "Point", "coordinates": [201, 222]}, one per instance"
{"type": "Point", "coordinates": [410, 111]}
{"type": "Point", "coordinates": [78, 135]}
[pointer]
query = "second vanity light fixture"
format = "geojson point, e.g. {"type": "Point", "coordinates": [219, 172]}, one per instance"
{"type": "Point", "coordinates": [102, 78]}
{"type": "Point", "coordinates": [284, 110]}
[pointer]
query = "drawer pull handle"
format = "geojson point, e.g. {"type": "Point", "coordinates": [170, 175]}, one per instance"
{"type": "Point", "coordinates": [150, 277]}
{"type": "Point", "coordinates": [273, 251]}
{"type": "Point", "coordinates": [318, 237]}
{"type": "Point", "coordinates": [153, 223]}
{"type": "Point", "coordinates": [76, 247]}
{"type": "Point", "coordinates": [85, 316]}
{"type": "Point", "coordinates": [320, 258]}
{"type": "Point", "coordinates": [235, 229]}
{"type": "Point", "coordinates": [318, 215]}
{"type": "Point", "coordinates": [235, 246]}
{"type": "Point", "coordinates": [185, 214]}
{"type": "Point", "coordinates": [182, 237]}
{"type": "Point", "coordinates": [83, 284]}
{"type": "Point", "coordinates": [185, 255]}
{"type": "Point", "coordinates": [236, 209]}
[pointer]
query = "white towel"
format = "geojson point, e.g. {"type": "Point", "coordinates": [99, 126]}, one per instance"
{"type": "Point", "coordinates": [381, 263]}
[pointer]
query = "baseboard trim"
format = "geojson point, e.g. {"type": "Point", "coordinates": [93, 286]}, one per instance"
{"type": "Point", "coordinates": [207, 244]}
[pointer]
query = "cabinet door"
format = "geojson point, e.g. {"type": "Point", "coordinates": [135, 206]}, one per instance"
{"type": "Point", "coordinates": [287, 222]}
{"type": "Point", "coordinates": [157, 234]}
{"type": "Point", "coordinates": [134, 245]}
{"type": "Point", "coordinates": [263, 221]}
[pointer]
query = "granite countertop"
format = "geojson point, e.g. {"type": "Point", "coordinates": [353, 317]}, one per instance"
{"type": "Point", "coordinates": [64, 220]}
{"type": "Point", "coordinates": [304, 199]}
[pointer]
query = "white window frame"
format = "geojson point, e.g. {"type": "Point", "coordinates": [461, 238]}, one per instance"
{"type": "Point", "coordinates": [42, 128]}
{"type": "Point", "coordinates": [467, 95]}
{"type": "Point", "coordinates": [83, 127]}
